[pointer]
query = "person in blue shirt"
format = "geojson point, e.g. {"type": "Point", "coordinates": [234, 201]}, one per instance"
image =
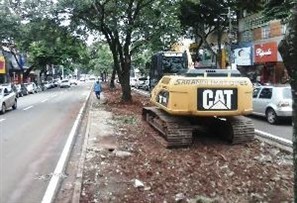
{"type": "Point", "coordinates": [97, 89]}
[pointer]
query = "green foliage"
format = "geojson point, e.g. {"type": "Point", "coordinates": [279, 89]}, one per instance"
{"type": "Point", "coordinates": [140, 59]}
{"type": "Point", "coordinates": [9, 23]}
{"type": "Point", "coordinates": [100, 58]}
{"type": "Point", "coordinates": [277, 9]}
{"type": "Point", "coordinates": [248, 5]}
{"type": "Point", "coordinates": [49, 43]}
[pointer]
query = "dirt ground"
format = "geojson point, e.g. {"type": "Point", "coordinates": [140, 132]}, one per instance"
{"type": "Point", "coordinates": [129, 165]}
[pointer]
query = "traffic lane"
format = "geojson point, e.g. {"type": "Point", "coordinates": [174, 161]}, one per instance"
{"type": "Point", "coordinates": [30, 101]}
{"type": "Point", "coordinates": [284, 129]}
{"type": "Point", "coordinates": [30, 151]}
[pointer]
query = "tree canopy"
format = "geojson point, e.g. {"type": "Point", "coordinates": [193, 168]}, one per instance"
{"type": "Point", "coordinates": [277, 9]}
{"type": "Point", "coordinates": [127, 26]}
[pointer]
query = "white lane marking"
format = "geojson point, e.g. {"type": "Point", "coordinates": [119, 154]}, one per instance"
{"type": "Point", "coordinates": [273, 137]}
{"type": "Point", "coordinates": [44, 100]}
{"type": "Point", "coordinates": [53, 184]}
{"type": "Point", "coordinates": [29, 107]}
{"type": "Point", "coordinates": [3, 119]}
{"type": "Point", "coordinates": [54, 95]}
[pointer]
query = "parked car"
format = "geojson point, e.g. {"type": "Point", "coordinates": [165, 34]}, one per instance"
{"type": "Point", "coordinates": [7, 99]}
{"type": "Point", "coordinates": [272, 102]}
{"type": "Point", "coordinates": [57, 82]}
{"type": "Point", "coordinates": [65, 83]}
{"type": "Point", "coordinates": [24, 90]}
{"type": "Point", "coordinates": [31, 87]}
{"type": "Point", "coordinates": [142, 83]}
{"type": "Point", "coordinates": [11, 86]}
{"type": "Point", "coordinates": [46, 85]}
{"type": "Point", "coordinates": [133, 81]}
{"type": "Point", "coordinates": [19, 90]}
{"type": "Point", "coordinates": [82, 79]}
{"type": "Point", "coordinates": [73, 81]}
{"type": "Point", "coordinates": [92, 78]}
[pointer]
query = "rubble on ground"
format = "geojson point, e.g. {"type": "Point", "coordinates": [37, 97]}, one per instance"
{"type": "Point", "coordinates": [142, 170]}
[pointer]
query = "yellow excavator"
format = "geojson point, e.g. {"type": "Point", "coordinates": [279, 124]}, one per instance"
{"type": "Point", "coordinates": [188, 101]}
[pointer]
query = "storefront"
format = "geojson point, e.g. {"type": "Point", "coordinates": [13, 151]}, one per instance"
{"type": "Point", "coordinates": [269, 63]}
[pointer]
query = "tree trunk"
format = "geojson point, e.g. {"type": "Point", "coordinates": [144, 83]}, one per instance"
{"type": "Point", "coordinates": [126, 89]}
{"type": "Point", "coordinates": [112, 85]}
{"type": "Point", "coordinates": [288, 51]}
{"type": "Point", "coordinates": [27, 72]}
{"type": "Point", "coordinates": [124, 78]}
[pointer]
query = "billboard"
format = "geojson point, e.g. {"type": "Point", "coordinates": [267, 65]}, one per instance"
{"type": "Point", "coordinates": [243, 56]}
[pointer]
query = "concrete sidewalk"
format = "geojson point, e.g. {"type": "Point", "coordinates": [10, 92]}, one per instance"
{"type": "Point", "coordinates": [99, 136]}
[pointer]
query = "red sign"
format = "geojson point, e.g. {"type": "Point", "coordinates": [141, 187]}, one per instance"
{"type": "Point", "coordinates": [266, 52]}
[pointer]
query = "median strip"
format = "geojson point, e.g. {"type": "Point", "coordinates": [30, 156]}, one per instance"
{"type": "Point", "coordinates": [29, 107]}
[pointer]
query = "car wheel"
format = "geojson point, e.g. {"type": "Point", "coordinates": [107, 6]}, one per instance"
{"type": "Point", "coordinates": [15, 105]}
{"type": "Point", "coordinates": [271, 116]}
{"type": "Point", "coordinates": [3, 109]}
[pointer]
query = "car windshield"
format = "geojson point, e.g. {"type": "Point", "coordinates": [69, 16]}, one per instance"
{"type": "Point", "coordinates": [142, 79]}
{"type": "Point", "coordinates": [287, 94]}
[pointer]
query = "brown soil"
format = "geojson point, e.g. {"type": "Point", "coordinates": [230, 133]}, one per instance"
{"type": "Point", "coordinates": [210, 170]}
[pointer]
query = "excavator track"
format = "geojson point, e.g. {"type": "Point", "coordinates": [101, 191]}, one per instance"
{"type": "Point", "coordinates": [175, 131]}
{"type": "Point", "coordinates": [236, 129]}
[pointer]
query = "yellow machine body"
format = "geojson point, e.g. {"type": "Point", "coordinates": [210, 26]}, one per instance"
{"type": "Point", "coordinates": [203, 95]}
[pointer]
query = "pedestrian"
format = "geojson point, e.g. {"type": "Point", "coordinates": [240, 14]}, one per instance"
{"type": "Point", "coordinates": [97, 89]}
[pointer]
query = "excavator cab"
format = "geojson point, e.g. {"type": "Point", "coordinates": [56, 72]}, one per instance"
{"type": "Point", "coordinates": [166, 63]}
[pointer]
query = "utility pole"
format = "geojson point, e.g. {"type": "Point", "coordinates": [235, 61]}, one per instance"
{"type": "Point", "coordinates": [230, 37]}
{"type": "Point", "coordinates": [230, 26]}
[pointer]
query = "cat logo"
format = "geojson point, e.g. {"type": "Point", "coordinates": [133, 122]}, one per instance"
{"type": "Point", "coordinates": [217, 99]}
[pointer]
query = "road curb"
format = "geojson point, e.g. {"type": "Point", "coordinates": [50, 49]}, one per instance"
{"type": "Point", "coordinates": [55, 181]}
{"type": "Point", "coordinates": [80, 168]}
{"type": "Point", "coordinates": [279, 142]}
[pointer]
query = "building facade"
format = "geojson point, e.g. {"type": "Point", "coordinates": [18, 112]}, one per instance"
{"type": "Point", "coordinates": [256, 54]}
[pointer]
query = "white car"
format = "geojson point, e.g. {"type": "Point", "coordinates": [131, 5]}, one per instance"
{"type": "Point", "coordinates": [7, 99]}
{"type": "Point", "coordinates": [31, 87]}
{"type": "Point", "coordinates": [65, 83]}
{"type": "Point", "coordinates": [92, 78]}
{"type": "Point", "coordinates": [73, 81]}
{"type": "Point", "coordinates": [142, 83]}
{"type": "Point", "coordinates": [133, 82]}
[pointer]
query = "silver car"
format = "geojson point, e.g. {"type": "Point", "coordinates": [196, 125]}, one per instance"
{"type": "Point", "coordinates": [7, 99]}
{"type": "Point", "coordinates": [272, 102]}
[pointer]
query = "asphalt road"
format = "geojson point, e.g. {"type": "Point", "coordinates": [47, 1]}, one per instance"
{"type": "Point", "coordinates": [32, 139]}
{"type": "Point", "coordinates": [284, 129]}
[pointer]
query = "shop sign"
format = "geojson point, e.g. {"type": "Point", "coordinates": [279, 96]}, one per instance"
{"type": "Point", "coordinates": [266, 52]}
{"type": "Point", "coordinates": [243, 56]}
{"type": "Point", "coordinates": [2, 65]}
